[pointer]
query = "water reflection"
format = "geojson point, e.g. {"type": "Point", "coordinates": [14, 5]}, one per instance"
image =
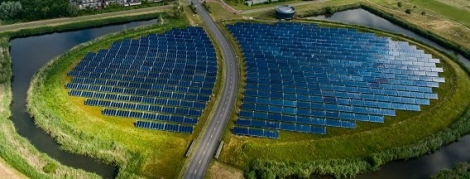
{"type": "Point", "coordinates": [364, 18]}
{"type": "Point", "coordinates": [427, 165]}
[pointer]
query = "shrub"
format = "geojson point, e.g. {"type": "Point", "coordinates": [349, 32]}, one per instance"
{"type": "Point", "coordinates": [399, 4]}
{"type": "Point", "coordinates": [423, 13]}
{"type": "Point", "coordinates": [408, 11]}
{"type": "Point", "coordinates": [329, 10]}
{"type": "Point", "coordinates": [49, 168]}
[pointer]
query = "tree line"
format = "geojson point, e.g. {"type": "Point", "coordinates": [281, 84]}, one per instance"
{"type": "Point", "coordinates": [28, 10]}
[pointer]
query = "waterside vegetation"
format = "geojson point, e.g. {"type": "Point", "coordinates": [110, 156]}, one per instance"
{"type": "Point", "coordinates": [16, 150]}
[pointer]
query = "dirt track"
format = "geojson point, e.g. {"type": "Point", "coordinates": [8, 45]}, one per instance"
{"type": "Point", "coordinates": [8, 172]}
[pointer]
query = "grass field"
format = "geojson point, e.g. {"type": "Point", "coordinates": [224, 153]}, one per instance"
{"type": "Point", "coordinates": [456, 13]}
{"type": "Point", "coordinates": [402, 130]}
{"type": "Point", "coordinates": [138, 152]}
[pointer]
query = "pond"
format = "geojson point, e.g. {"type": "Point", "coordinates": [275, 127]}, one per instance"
{"type": "Point", "coordinates": [29, 54]}
{"type": "Point", "coordinates": [421, 167]}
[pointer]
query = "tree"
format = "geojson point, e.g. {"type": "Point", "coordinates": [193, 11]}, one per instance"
{"type": "Point", "coordinates": [178, 10]}
{"type": "Point", "coordinates": [161, 21]}
{"type": "Point", "coordinates": [408, 11]}
{"type": "Point", "coordinates": [399, 4]}
{"type": "Point", "coordinates": [10, 10]}
{"type": "Point", "coordinates": [423, 13]}
{"type": "Point", "coordinates": [72, 9]}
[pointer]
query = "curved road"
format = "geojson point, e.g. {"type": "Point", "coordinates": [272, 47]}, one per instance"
{"type": "Point", "coordinates": [211, 135]}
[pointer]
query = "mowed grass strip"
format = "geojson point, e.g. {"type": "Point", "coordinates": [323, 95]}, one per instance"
{"type": "Point", "coordinates": [404, 129]}
{"type": "Point", "coordinates": [453, 12]}
{"type": "Point", "coordinates": [82, 129]}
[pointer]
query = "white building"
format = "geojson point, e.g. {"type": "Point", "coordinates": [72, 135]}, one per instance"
{"type": "Point", "coordinates": [83, 4]}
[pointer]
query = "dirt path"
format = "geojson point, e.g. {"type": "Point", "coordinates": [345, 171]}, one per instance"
{"type": "Point", "coordinates": [6, 171]}
{"type": "Point", "coordinates": [9, 173]}
{"type": "Point", "coordinates": [59, 21]}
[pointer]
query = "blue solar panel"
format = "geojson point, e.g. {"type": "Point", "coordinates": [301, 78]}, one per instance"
{"type": "Point", "coordinates": [300, 75]}
{"type": "Point", "coordinates": [256, 132]}
{"type": "Point", "coordinates": [165, 77]}
{"type": "Point", "coordinates": [165, 127]}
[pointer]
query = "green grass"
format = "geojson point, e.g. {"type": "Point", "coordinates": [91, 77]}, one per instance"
{"type": "Point", "coordinates": [462, 170]}
{"type": "Point", "coordinates": [457, 14]}
{"type": "Point", "coordinates": [404, 129]}
{"type": "Point", "coordinates": [82, 129]}
{"type": "Point", "coordinates": [219, 12]}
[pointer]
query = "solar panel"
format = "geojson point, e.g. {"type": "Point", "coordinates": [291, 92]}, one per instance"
{"type": "Point", "coordinates": [165, 77]}
{"type": "Point", "coordinates": [302, 75]}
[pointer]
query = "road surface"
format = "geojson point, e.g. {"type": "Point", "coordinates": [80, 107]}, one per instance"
{"type": "Point", "coordinates": [8, 172]}
{"type": "Point", "coordinates": [211, 136]}
{"type": "Point", "coordinates": [301, 3]}
{"type": "Point", "coordinates": [60, 21]}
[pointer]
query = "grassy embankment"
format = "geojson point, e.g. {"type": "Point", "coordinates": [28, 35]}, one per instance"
{"type": "Point", "coordinates": [139, 152]}
{"type": "Point", "coordinates": [245, 149]}
{"type": "Point", "coordinates": [16, 150]}
{"type": "Point", "coordinates": [462, 170]}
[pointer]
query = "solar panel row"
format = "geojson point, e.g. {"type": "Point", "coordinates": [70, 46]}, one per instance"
{"type": "Point", "coordinates": [301, 75]}
{"type": "Point", "coordinates": [152, 100]}
{"type": "Point", "coordinates": [131, 84]}
{"type": "Point", "coordinates": [283, 126]}
{"type": "Point", "coordinates": [165, 77]}
{"type": "Point", "coordinates": [165, 127]}
{"type": "Point", "coordinates": [255, 132]}
{"type": "Point", "coordinates": [156, 89]}
{"type": "Point", "coordinates": [145, 107]}
{"type": "Point", "coordinates": [149, 116]}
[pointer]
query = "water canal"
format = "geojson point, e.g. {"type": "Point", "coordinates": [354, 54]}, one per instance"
{"type": "Point", "coordinates": [28, 55]}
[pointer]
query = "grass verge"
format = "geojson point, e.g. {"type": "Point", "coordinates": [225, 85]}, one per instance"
{"type": "Point", "coordinates": [462, 170]}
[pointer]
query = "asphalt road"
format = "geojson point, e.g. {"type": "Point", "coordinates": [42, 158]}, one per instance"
{"type": "Point", "coordinates": [211, 136]}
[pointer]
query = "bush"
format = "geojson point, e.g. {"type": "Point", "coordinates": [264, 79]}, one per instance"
{"type": "Point", "coordinates": [399, 4]}
{"type": "Point", "coordinates": [408, 11]}
{"type": "Point", "coordinates": [49, 168]}
{"type": "Point", "coordinates": [329, 10]}
{"type": "Point", "coordinates": [423, 13]}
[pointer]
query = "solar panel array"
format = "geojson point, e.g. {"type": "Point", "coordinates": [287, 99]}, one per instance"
{"type": "Point", "coordinates": [305, 78]}
{"type": "Point", "coordinates": [165, 79]}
